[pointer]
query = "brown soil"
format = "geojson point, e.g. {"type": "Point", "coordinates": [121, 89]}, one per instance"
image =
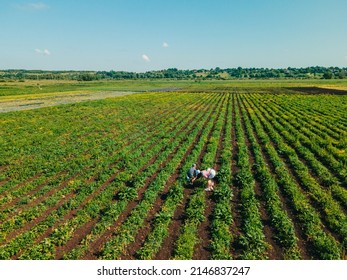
{"type": "Point", "coordinates": [44, 215]}
{"type": "Point", "coordinates": [4, 182]}
{"type": "Point", "coordinates": [317, 90]}
{"type": "Point", "coordinates": [202, 251]}
{"type": "Point", "coordinates": [235, 207]}
{"type": "Point", "coordinates": [34, 201]}
{"type": "Point", "coordinates": [21, 184]}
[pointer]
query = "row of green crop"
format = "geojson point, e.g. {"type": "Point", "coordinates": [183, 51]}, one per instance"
{"type": "Point", "coordinates": [64, 149]}
{"type": "Point", "coordinates": [125, 234]}
{"type": "Point", "coordinates": [319, 107]}
{"type": "Point", "coordinates": [125, 194]}
{"type": "Point", "coordinates": [302, 135]}
{"type": "Point", "coordinates": [320, 244]}
{"type": "Point", "coordinates": [89, 187]}
{"type": "Point", "coordinates": [221, 237]}
{"type": "Point", "coordinates": [302, 105]}
{"type": "Point", "coordinates": [163, 219]}
{"type": "Point", "coordinates": [109, 217]}
{"type": "Point", "coordinates": [32, 185]}
{"type": "Point", "coordinates": [321, 104]}
{"type": "Point", "coordinates": [326, 178]}
{"type": "Point", "coordinates": [284, 228]}
{"type": "Point", "coordinates": [313, 127]}
{"type": "Point", "coordinates": [333, 214]}
{"type": "Point", "coordinates": [252, 239]}
{"type": "Point", "coordinates": [313, 124]}
{"type": "Point", "coordinates": [195, 211]}
{"type": "Point", "coordinates": [30, 214]}
{"type": "Point", "coordinates": [323, 124]}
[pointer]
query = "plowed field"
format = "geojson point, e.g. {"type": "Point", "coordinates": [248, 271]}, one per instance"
{"type": "Point", "coordinates": [105, 179]}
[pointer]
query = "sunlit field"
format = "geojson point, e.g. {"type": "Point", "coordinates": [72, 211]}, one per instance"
{"type": "Point", "coordinates": [106, 178]}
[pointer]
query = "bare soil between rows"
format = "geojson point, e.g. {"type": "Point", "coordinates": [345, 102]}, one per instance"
{"type": "Point", "coordinates": [317, 90]}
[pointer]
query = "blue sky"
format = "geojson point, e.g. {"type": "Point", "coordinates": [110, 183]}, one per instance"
{"type": "Point", "coordinates": [142, 35]}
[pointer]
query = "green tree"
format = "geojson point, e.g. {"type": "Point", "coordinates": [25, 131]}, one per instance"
{"type": "Point", "coordinates": [342, 74]}
{"type": "Point", "coordinates": [328, 75]}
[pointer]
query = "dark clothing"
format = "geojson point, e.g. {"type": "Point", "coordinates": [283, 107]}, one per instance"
{"type": "Point", "coordinates": [191, 172]}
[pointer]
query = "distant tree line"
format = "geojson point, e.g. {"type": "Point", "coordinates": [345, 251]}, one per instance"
{"type": "Point", "coordinates": [316, 72]}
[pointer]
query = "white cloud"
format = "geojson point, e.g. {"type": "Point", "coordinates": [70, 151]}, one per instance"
{"type": "Point", "coordinates": [165, 45]}
{"type": "Point", "coordinates": [38, 6]}
{"type": "Point", "coordinates": [43, 52]}
{"type": "Point", "coordinates": [145, 58]}
{"type": "Point", "coordinates": [33, 6]}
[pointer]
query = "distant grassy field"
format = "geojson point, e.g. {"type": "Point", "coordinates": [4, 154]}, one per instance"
{"type": "Point", "coordinates": [11, 90]}
{"type": "Point", "coordinates": [31, 89]}
{"type": "Point", "coordinates": [30, 94]}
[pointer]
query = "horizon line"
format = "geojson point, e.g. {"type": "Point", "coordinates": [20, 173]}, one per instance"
{"type": "Point", "coordinates": [171, 68]}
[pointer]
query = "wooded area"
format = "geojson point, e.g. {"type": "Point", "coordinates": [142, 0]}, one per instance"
{"type": "Point", "coordinates": [316, 72]}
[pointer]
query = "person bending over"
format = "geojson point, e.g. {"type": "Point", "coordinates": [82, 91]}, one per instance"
{"type": "Point", "coordinates": [209, 174]}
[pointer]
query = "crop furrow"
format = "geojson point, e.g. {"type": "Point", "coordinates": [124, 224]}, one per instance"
{"type": "Point", "coordinates": [194, 213]}
{"type": "Point", "coordinates": [333, 215]}
{"type": "Point", "coordinates": [235, 200]}
{"type": "Point", "coordinates": [152, 162]}
{"type": "Point", "coordinates": [221, 236]}
{"type": "Point", "coordinates": [173, 223]}
{"type": "Point", "coordinates": [135, 144]}
{"type": "Point", "coordinates": [107, 222]}
{"type": "Point", "coordinates": [211, 158]}
{"type": "Point", "coordinates": [270, 236]}
{"type": "Point", "coordinates": [335, 162]}
{"type": "Point", "coordinates": [147, 127]}
{"type": "Point", "coordinates": [321, 245]}
{"type": "Point", "coordinates": [284, 231]}
{"type": "Point", "coordinates": [115, 246]}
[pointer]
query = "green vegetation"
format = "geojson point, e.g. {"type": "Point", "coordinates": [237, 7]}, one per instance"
{"type": "Point", "coordinates": [105, 179]}
{"type": "Point", "coordinates": [316, 72]}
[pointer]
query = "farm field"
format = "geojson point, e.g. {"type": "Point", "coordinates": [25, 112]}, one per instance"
{"type": "Point", "coordinates": [105, 179]}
